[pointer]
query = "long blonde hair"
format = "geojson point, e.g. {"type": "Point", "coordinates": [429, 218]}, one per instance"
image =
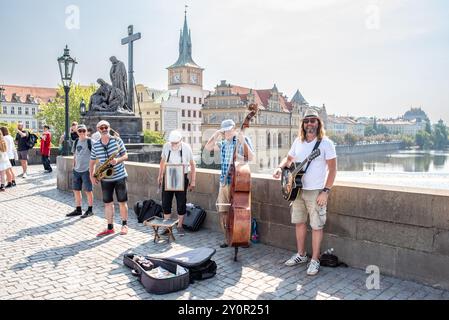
{"type": "Point", "coordinates": [321, 133]}
{"type": "Point", "coordinates": [2, 143]}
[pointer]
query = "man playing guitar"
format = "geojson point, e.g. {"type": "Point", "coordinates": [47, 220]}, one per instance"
{"type": "Point", "coordinates": [312, 200]}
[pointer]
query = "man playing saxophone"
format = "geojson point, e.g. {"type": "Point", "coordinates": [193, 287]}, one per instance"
{"type": "Point", "coordinates": [111, 153]}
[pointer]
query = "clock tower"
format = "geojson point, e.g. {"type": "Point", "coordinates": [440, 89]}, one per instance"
{"type": "Point", "coordinates": [185, 72]}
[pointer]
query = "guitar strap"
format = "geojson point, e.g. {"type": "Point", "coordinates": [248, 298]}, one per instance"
{"type": "Point", "coordinates": [317, 144]}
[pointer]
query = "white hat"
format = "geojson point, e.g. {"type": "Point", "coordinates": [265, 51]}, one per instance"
{"type": "Point", "coordinates": [227, 125]}
{"type": "Point", "coordinates": [103, 123]}
{"type": "Point", "coordinates": [175, 136]}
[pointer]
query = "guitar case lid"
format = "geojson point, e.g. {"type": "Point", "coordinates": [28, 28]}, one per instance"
{"type": "Point", "coordinates": [189, 258]}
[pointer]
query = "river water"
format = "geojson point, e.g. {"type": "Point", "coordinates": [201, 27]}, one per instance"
{"type": "Point", "coordinates": [409, 168]}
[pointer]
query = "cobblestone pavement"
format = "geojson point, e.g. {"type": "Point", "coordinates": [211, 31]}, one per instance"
{"type": "Point", "coordinates": [44, 255]}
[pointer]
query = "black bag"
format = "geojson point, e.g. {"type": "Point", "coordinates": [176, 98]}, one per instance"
{"type": "Point", "coordinates": [194, 217]}
{"type": "Point", "coordinates": [331, 260]}
{"type": "Point", "coordinates": [146, 209]}
{"type": "Point", "coordinates": [197, 261]}
{"type": "Point", "coordinates": [31, 140]}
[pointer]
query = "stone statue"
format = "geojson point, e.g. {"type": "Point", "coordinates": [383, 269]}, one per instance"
{"type": "Point", "coordinates": [118, 76]}
{"type": "Point", "coordinates": [99, 101]}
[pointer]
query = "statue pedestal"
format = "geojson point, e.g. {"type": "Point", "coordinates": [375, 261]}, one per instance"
{"type": "Point", "coordinates": [128, 126]}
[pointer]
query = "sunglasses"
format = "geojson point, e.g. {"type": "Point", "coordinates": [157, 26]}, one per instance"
{"type": "Point", "coordinates": [103, 128]}
{"type": "Point", "coordinates": [82, 131]}
{"type": "Point", "coordinates": [312, 121]}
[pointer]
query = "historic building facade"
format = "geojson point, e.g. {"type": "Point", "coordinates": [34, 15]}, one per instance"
{"type": "Point", "coordinates": [148, 106]}
{"type": "Point", "coordinates": [21, 104]}
{"type": "Point", "coordinates": [183, 108]}
{"type": "Point", "coordinates": [272, 131]}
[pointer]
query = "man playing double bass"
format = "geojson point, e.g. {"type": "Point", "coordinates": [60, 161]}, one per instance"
{"type": "Point", "coordinates": [312, 200]}
{"type": "Point", "coordinates": [224, 141]}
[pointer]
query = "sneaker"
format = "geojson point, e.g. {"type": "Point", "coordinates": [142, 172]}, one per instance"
{"type": "Point", "coordinates": [223, 245]}
{"type": "Point", "coordinates": [48, 171]}
{"type": "Point", "coordinates": [24, 175]}
{"type": "Point", "coordinates": [106, 232]}
{"type": "Point", "coordinates": [124, 230]}
{"type": "Point", "coordinates": [86, 214]}
{"type": "Point", "coordinates": [2, 188]}
{"type": "Point", "coordinates": [296, 259]}
{"type": "Point", "coordinates": [74, 213]}
{"type": "Point", "coordinates": [14, 183]}
{"type": "Point", "coordinates": [314, 267]}
{"type": "Point", "coordinates": [9, 185]}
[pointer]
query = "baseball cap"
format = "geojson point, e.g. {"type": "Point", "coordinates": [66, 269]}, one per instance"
{"type": "Point", "coordinates": [227, 125]}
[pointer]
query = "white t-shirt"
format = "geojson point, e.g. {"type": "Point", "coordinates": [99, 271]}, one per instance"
{"type": "Point", "coordinates": [316, 174]}
{"type": "Point", "coordinates": [175, 155]}
{"type": "Point", "coordinates": [10, 147]}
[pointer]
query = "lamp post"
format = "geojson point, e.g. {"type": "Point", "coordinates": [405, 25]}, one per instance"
{"type": "Point", "coordinates": [1, 93]}
{"type": "Point", "coordinates": [82, 107]}
{"type": "Point", "coordinates": [66, 67]}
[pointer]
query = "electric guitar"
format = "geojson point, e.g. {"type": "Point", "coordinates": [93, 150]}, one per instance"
{"type": "Point", "coordinates": [291, 178]}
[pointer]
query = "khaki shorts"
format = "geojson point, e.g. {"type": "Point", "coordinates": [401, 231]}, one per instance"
{"type": "Point", "coordinates": [305, 205]}
{"type": "Point", "coordinates": [224, 196]}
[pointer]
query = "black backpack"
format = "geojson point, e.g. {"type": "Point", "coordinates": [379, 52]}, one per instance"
{"type": "Point", "coordinates": [31, 140]}
{"type": "Point", "coordinates": [331, 260]}
{"type": "Point", "coordinates": [146, 209]}
{"type": "Point", "coordinates": [89, 144]}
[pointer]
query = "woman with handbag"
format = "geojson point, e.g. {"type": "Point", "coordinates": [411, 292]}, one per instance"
{"type": "Point", "coordinates": [176, 162]}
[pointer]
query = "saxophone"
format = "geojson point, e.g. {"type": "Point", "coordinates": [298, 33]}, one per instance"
{"type": "Point", "coordinates": [106, 170]}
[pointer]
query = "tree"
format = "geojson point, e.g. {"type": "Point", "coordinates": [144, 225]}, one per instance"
{"type": "Point", "coordinates": [440, 139]}
{"type": "Point", "coordinates": [381, 129]}
{"type": "Point", "coordinates": [370, 131]}
{"type": "Point", "coordinates": [53, 113]}
{"type": "Point", "coordinates": [154, 137]}
{"type": "Point", "coordinates": [351, 139]}
{"type": "Point", "coordinates": [428, 128]}
{"type": "Point", "coordinates": [337, 139]}
{"type": "Point", "coordinates": [424, 140]}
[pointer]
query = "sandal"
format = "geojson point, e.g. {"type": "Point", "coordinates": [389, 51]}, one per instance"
{"type": "Point", "coordinates": [124, 230]}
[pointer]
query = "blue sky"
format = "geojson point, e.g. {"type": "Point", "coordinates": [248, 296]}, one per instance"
{"type": "Point", "coordinates": [359, 57]}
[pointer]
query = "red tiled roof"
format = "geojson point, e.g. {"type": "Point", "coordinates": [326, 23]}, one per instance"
{"type": "Point", "coordinates": [40, 94]}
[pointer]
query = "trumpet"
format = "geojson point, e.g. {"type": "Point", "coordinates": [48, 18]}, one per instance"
{"type": "Point", "coordinates": [106, 170]}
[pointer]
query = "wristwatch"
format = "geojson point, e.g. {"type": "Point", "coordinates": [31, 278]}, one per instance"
{"type": "Point", "coordinates": [327, 190]}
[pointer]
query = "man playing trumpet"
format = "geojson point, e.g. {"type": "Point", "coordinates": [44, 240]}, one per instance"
{"type": "Point", "coordinates": [115, 179]}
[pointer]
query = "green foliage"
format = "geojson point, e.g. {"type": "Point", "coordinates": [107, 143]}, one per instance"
{"type": "Point", "coordinates": [424, 140]}
{"type": "Point", "coordinates": [440, 135]}
{"type": "Point", "coordinates": [370, 131]}
{"type": "Point", "coordinates": [408, 141]}
{"type": "Point", "coordinates": [428, 128]}
{"type": "Point", "coordinates": [337, 139]}
{"type": "Point", "coordinates": [351, 139]}
{"type": "Point", "coordinates": [53, 113]}
{"type": "Point", "coordinates": [154, 137]}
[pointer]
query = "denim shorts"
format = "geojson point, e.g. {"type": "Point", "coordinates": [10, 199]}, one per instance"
{"type": "Point", "coordinates": [81, 179]}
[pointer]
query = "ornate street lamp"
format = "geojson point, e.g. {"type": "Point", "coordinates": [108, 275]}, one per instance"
{"type": "Point", "coordinates": [82, 107]}
{"type": "Point", "coordinates": [66, 67]}
{"type": "Point", "coordinates": [1, 93]}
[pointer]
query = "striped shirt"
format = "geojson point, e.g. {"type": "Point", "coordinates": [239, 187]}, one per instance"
{"type": "Point", "coordinates": [102, 152]}
{"type": "Point", "coordinates": [227, 151]}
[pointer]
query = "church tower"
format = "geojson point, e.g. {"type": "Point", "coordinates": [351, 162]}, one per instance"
{"type": "Point", "coordinates": [185, 72]}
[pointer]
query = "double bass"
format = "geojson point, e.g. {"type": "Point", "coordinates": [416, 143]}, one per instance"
{"type": "Point", "coordinates": [238, 226]}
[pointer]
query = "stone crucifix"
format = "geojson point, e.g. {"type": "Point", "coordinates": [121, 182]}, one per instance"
{"type": "Point", "coordinates": [129, 40]}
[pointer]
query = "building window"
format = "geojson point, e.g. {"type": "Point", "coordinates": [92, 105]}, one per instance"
{"type": "Point", "coordinates": [194, 100]}
{"type": "Point", "coordinates": [156, 112]}
{"type": "Point", "coordinates": [148, 112]}
{"type": "Point", "coordinates": [188, 99]}
{"type": "Point", "coordinates": [33, 111]}
{"type": "Point", "coordinates": [12, 110]}
{"type": "Point", "coordinates": [27, 124]}
{"type": "Point", "coordinates": [183, 126]}
{"type": "Point", "coordinates": [199, 100]}
{"type": "Point", "coordinates": [189, 114]}
{"type": "Point", "coordinates": [183, 113]}
{"type": "Point", "coordinates": [34, 124]}
{"type": "Point", "coordinates": [199, 114]}
{"type": "Point", "coordinates": [156, 126]}
{"type": "Point", "coordinates": [19, 110]}
{"type": "Point", "coordinates": [182, 99]}
{"type": "Point", "coordinates": [189, 127]}
{"type": "Point", "coordinates": [27, 111]}
{"type": "Point", "coordinates": [194, 113]}
{"type": "Point", "coordinates": [5, 110]}
{"type": "Point", "coordinates": [268, 144]}
{"type": "Point", "coordinates": [148, 125]}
